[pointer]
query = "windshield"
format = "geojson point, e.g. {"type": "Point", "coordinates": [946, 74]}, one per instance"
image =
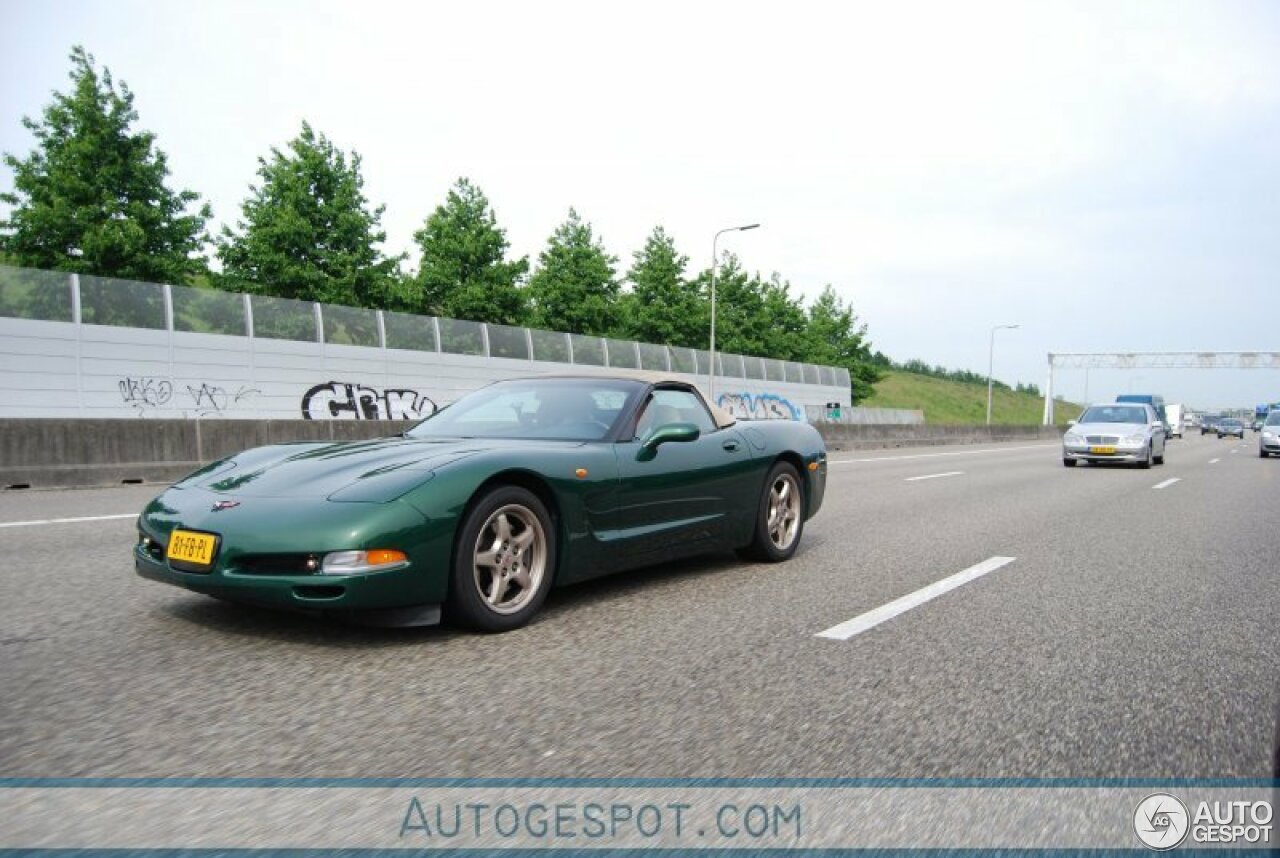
{"type": "Point", "coordinates": [567, 409]}
{"type": "Point", "coordinates": [1273, 419]}
{"type": "Point", "coordinates": [1114, 414]}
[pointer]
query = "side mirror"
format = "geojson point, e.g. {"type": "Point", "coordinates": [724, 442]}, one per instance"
{"type": "Point", "coordinates": [668, 433]}
{"type": "Point", "coordinates": [1071, 423]}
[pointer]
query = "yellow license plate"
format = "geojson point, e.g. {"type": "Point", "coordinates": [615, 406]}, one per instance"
{"type": "Point", "coordinates": [1102, 450]}
{"type": "Point", "coordinates": [196, 549]}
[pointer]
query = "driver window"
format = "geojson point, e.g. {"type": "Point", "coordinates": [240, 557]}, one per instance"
{"type": "Point", "coordinates": [673, 406]}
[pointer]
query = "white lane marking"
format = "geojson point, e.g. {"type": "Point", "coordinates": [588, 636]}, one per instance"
{"type": "Point", "coordinates": [936, 476]}
{"type": "Point", "coordinates": [1234, 451]}
{"type": "Point", "coordinates": [884, 613]}
{"type": "Point", "coordinates": [936, 455]}
{"type": "Point", "coordinates": [66, 520]}
{"type": "Point", "coordinates": [1214, 461]}
{"type": "Point", "coordinates": [1167, 483]}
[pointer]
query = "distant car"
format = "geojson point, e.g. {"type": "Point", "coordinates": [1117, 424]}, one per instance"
{"type": "Point", "coordinates": [1209, 424]}
{"type": "Point", "coordinates": [1269, 440]}
{"type": "Point", "coordinates": [1231, 426]}
{"type": "Point", "coordinates": [1119, 432]}
{"type": "Point", "coordinates": [1257, 426]}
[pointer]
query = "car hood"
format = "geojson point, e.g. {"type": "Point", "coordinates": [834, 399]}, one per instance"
{"type": "Point", "coordinates": [1119, 429]}
{"type": "Point", "coordinates": [380, 469]}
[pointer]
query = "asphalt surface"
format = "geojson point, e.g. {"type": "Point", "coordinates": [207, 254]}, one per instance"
{"type": "Point", "coordinates": [1134, 634]}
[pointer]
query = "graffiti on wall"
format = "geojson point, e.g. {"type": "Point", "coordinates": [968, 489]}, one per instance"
{"type": "Point", "coordinates": [759, 406]}
{"type": "Point", "coordinates": [144, 393]}
{"type": "Point", "coordinates": [211, 400]}
{"type": "Point", "coordinates": [337, 400]}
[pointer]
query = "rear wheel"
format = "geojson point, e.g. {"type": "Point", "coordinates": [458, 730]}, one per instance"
{"type": "Point", "coordinates": [779, 516]}
{"type": "Point", "coordinates": [503, 561]}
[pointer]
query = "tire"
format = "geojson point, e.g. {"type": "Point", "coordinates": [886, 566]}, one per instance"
{"type": "Point", "coordinates": [1159, 460]}
{"type": "Point", "coordinates": [779, 516]}
{"type": "Point", "coordinates": [1068, 463]}
{"type": "Point", "coordinates": [1146, 463]}
{"type": "Point", "coordinates": [504, 560]}
{"type": "Point", "coordinates": [1262, 454]}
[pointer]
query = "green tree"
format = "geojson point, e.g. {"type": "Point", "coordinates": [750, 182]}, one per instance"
{"type": "Point", "coordinates": [307, 230]}
{"type": "Point", "coordinates": [787, 323]}
{"type": "Point", "coordinates": [91, 197]}
{"type": "Point", "coordinates": [741, 323]}
{"type": "Point", "coordinates": [464, 272]}
{"type": "Point", "coordinates": [835, 338]}
{"type": "Point", "coordinates": [662, 306]}
{"type": "Point", "coordinates": [575, 288]}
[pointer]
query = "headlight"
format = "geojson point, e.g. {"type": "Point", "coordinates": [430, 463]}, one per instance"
{"type": "Point", "coordinates": [356, 562]}
{"type": "Point", "coordinates": [1139, 438]}
{"type": "Point", "coordinates": [1072, 438]}
{"type": "Point", "coordinates": [1267, 433]}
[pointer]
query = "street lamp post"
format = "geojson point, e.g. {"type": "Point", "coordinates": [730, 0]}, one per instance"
{"type": "Point", "coordinates": [711, 372]}
{"type": "Point", "coordinates": [991, 356]}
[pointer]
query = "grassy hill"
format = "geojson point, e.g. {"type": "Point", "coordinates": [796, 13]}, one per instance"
{"type": "Point", "coordinates": [946, 402]}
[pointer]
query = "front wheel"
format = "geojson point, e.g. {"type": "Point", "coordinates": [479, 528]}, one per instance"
{"type": "Point", "coordinates": [1146, 462]}
{"type": "Point", "coordinates": [1068, 463]}
{"type": "Point", "coordinates": [503, 561]}
{"type": "Point", "coordinates": [779, 516]}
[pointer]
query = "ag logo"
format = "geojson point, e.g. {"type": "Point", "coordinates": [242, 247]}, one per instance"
{"type": "Point", "coordinates": [1161, 821]}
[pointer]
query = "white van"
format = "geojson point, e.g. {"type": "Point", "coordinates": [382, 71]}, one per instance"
{"type": "Point", "coordinates": [1174, 414]}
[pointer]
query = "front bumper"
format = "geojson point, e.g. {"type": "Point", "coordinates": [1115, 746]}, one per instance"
{"type": "Point", "coordinates": [1121, 454]}
{"type": "Point", "coordinates": [1271, 445]}
{"type": "Point", "coordinates": [377, 597]}
{"type": "Point", "coordinates": [260, 533]}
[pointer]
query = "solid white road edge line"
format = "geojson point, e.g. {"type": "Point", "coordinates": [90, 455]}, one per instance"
{"type": "Point", "coordinates": [935, 476]}
{"type": "Point", "coordinates": [66, 520]}
{"type": "Point", "coordinates": [884, 613]}
{"type": "Point", "coordinates": [1167, 483]}
{"type": "Point", "coordinates": [936, 455]}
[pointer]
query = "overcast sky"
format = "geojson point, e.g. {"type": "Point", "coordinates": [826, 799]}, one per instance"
{"type": "Point", "coordinates": [1103, 174]}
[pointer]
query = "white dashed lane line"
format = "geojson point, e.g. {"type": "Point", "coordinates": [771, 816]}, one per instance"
{"type": "Point", "coordinates": [1214, 461]}
{"type": "Point", "coordinates": [884, 613]}
{"type": "Point", "coordinates": [1167, 483]}
{"type": "Point", "coordinates": [935, 476]}
{"type": "Point", "coordinates": [869, 459]}
{"type": "Point", "coordinates": [41, 521]}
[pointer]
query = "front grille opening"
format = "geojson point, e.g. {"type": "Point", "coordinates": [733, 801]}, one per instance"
{"type": "Point", "coordinates": [18, 486]}
{"type": "Point", "coordinates": [319, 591]}
{"type": "Point", "coordinates": [276, 564]}
{"type": "Point", "coordinates": [132, 481]}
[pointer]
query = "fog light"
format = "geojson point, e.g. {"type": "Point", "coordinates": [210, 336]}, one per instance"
{"type": "Point", "coordinates": [356, 562]}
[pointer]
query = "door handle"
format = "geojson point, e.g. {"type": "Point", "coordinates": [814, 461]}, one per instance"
{"type": "Point", "coordinates": [731, 446]}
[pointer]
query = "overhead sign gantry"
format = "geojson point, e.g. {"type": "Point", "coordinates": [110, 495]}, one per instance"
{"type": "Point", "coordinates": [1153, 360]}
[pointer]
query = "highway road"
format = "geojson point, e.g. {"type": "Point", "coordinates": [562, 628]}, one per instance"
{"type": "Point", "coordinates": [1124, 625]}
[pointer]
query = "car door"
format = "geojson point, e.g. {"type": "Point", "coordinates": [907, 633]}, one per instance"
{"type": "Point", "coordinates": [686, 497]}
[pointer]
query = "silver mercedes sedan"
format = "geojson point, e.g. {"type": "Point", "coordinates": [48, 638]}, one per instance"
{"type": "Point", "coordinates": [1119, 432]}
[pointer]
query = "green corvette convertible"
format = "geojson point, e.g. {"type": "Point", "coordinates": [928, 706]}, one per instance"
{"type": "Point", "coordinates": [479, 509]}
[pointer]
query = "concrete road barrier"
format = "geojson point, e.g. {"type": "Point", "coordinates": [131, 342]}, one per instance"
{"type": "Point", "coordinates": [54, 453]}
